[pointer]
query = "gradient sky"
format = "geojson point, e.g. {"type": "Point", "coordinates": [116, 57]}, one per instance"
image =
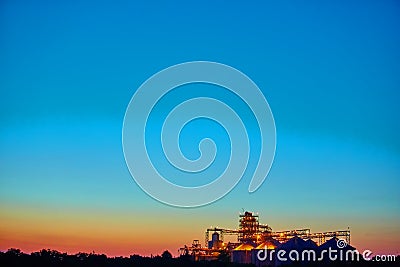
{"type": "Point", "coordinates": [330, 72]}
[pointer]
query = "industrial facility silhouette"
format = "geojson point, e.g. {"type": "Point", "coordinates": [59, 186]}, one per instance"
{"type": "Point", "coordinates": [253, 237]}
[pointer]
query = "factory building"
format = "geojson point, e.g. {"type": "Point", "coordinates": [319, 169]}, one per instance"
{"type": "Point", "coordinates": [256, 243]}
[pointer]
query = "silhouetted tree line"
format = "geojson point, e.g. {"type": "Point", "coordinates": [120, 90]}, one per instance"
{"type": "Point", "coordinates": [46, 258]}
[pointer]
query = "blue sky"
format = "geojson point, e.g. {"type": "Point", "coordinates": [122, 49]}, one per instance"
{"type": "Point", "coordinates": [330, 72]}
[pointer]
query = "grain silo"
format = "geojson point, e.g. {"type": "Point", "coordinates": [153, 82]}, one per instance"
{"type": "Point", "coordinates": [261, 255]}
{"type": "Point", "coordinates": [242, 253]}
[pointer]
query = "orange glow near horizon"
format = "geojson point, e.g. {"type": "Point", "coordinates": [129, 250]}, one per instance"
{"type": "Point", "coordinates": [79, 232]}
{"type": "Point", "coordinates": [121, 234]}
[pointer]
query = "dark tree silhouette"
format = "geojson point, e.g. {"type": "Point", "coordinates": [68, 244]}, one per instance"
{"type": "Point", "coordinates": [166, 255]}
